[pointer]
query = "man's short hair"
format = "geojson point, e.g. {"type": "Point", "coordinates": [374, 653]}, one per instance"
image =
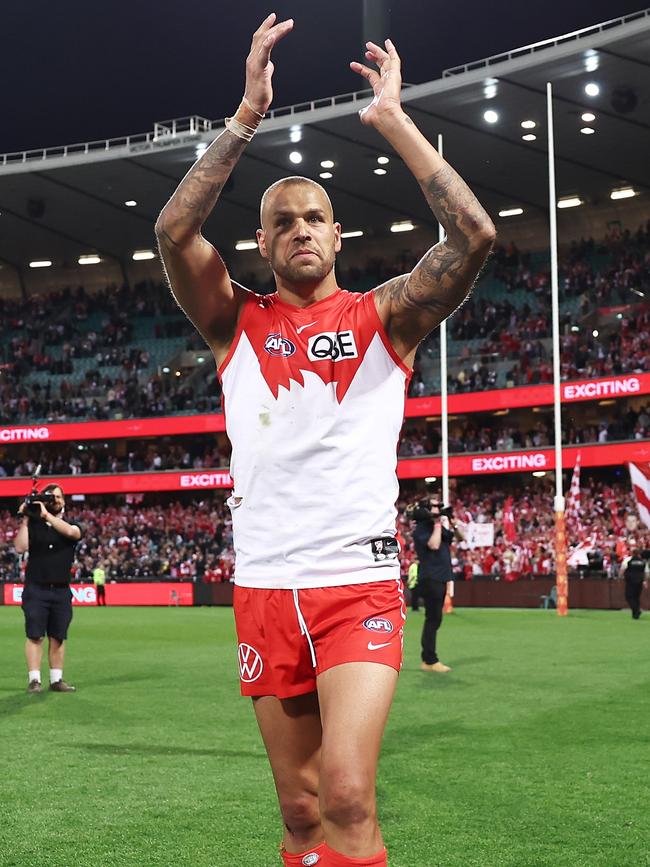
{"type": "Point", "coordinates": [292, 180]}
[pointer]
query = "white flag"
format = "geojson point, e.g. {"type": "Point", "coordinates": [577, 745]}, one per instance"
{"type": "Point", "coordinates": [640, 476]}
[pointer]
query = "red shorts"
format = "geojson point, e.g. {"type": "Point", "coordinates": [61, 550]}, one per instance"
{"type": "Point", "coordinates": [288, 637]}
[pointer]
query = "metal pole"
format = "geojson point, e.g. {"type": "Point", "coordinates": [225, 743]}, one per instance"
{"type": "Point", "coordinates": [562, 582]}
{"type": "Point", "coordinates": [376, 21]}
{"type": "Point", "coordinates": [448, 605]}
{"type": "Point", "coordinates": [444, 417]}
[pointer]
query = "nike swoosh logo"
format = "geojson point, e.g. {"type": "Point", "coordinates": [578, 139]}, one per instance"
{"type": "Point", "coordinates": [302, 327]}
{"type": "Point", "coordinates": [372, 646]}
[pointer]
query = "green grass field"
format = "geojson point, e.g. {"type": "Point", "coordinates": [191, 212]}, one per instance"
{"type": "Point", "coordinates": [533, 751]}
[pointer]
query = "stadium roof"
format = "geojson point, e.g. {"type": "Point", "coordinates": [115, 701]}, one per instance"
{"type": "Point", "coordinates": [66, 201]}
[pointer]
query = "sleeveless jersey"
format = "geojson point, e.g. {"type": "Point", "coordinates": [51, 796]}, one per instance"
{"type": "Point", "coordinates": [313, 401]}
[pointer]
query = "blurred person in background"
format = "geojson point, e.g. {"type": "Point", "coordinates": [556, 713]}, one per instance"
{"type": "Point", "coordinates": [636, 571]}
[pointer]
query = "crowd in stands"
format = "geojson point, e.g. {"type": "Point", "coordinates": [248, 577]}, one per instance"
{"type": "Point", "coordinates": [74, 459]}
{"type": "Point", "coordinates": [49, 333]}
{"type": "Point", "coordinates": [418, 438]}
{"type": "Point", "coordinates": [421, 438]}
{"type": "Point", "coordinates": [193, 541]}
{"type": "Point", "coordinates": [610, 528]}
{"type": "Point", "coordinates": [132, 541]}
{"type": "Point", "coordinates": [103, 397]}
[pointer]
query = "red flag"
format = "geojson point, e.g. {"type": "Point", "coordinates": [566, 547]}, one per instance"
{"type": "Point", "coordinates": [572, 511]}
{"type": "Point", "coordinates": [640, 477]}
{"type": "Point", "coordinates": [509, 530]}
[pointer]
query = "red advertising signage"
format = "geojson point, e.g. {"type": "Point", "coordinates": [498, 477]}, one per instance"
{"type": "Point", "coordinates": [479, 401]}
{"type": "Point", "coordinates": [106, 430]}
{"type": "Point", "coordinates": [159, 593]}
{"type": "Point", "coordinates": [532, 395]}
{"type": "Point", "coordinates": [536, 460]}
{"type": "Point", "coordinates": [609, 454]}
{"type": "Point", "coordinates": [155, 593]}
{"type": "Point", "coordinates": [123, 483]}
{"type": "Point", "coordinates": [82, 594]}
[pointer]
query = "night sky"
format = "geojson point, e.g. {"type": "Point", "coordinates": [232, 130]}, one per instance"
{"type": "Point", "coordinates": [79, 70]}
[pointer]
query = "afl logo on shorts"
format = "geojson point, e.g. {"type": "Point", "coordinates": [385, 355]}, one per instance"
{"type": "Point", "coordinates": [250, 663]}
{"type": "Point", "coordinates": [378, 624]}
{"type": "Point", "coordinates": [278, 345]}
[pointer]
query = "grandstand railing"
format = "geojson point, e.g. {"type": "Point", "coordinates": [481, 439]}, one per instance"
{"type": "Point", "coordinates": [191, 128]}
{"type": "Point", "coordinates": [167, 131]}
{"type": "Point", "coordinates": [553, 42]}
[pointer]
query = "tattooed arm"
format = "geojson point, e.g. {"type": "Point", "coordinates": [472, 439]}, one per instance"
{"type": "Point", "coordinates": [197, 274]}
{"type": "Point", "coordinates": [412, 305]}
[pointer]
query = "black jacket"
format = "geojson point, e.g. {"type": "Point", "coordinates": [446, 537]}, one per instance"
{"type": "Point", "coordinates": [50, 554]}
{"type": "Point", "coordinates": [435, 566]}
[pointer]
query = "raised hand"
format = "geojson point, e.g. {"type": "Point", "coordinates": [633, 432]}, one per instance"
{"type": "Point", "coordinates": [386, 83]}
{"type": "Point", "coordinates": [259, 68]}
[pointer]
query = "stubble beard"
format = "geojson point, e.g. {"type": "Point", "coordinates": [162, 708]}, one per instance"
{"type": "Point", "coordinates": [298, 274]}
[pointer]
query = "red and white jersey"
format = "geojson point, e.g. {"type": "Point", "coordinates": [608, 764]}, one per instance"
{"type": "Point", "coordinates": [314, 401]}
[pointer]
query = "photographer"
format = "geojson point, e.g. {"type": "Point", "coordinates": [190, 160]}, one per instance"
{"type": "Point", "coordinates": [47, 599]}
{"type": "Point", "coordinates": [433, 535]}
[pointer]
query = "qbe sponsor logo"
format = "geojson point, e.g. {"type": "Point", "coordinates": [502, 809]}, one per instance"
{"type": "Point", "coordinates": [276, 344]}
{"type": "Point", "coordinates": [537, 461]}
{"type": "Point", "coordinates": [205, 480]}
{"type": "Point", "coordinates": [602, 388]}
{"type": "Point", "coordinates": [24, 434]}
{"type": "Point", "coordinates": [378, 624]}
{"type": "Point", "coordinates": [250, 663]}
{"type": "Point", "coordinates": [332, 346]}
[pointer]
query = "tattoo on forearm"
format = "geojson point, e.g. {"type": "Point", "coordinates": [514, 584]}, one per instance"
{"type": "Point", "coordinates": [197, 193]}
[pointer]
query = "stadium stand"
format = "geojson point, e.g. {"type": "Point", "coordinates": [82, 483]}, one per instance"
{"type": "Point", "coordinates": [192, 540]}
{"type": "Point", "coordinates": [121, 353]}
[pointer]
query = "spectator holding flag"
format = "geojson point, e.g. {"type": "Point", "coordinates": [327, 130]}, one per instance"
{"type": "Point", "coordinates": [509, 530]}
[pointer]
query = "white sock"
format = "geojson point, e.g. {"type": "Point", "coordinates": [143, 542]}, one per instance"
{"type": "Point", "coordinates": [34, 674]}
{"type": "Point", "coordinates": [56, 674]}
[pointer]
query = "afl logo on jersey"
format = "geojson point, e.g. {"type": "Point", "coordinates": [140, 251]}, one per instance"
{"type": "Point", "coordinates": [332, 346]}
{"type": "Point", "coordinates": [378, 624]}
{"type": "Point", "coordinates": [277, 345]}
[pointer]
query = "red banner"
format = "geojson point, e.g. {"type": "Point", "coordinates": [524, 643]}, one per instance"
{"type": "Point", "coordinates": [610, 454]}
{"type": "Point", "coordinates": [95, 430]}
{"type": "Point", "coordinates": [532, 395]}
{"type": "Point", "coordinates": [479, 401]}
{"type": "Point", "coordinates": [82, 594]}
{"type": "Point", "coordinates": [159, 593]}
{"type": "Point", "coordinates": [123, 483]}
{"type": "Point", "coordinates": [154, 593]}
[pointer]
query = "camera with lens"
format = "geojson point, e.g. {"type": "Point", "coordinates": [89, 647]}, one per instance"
{"type": "Point", "coordinates": [32, 501]}
{"type": "Point", "coordinates": [424, 510]}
